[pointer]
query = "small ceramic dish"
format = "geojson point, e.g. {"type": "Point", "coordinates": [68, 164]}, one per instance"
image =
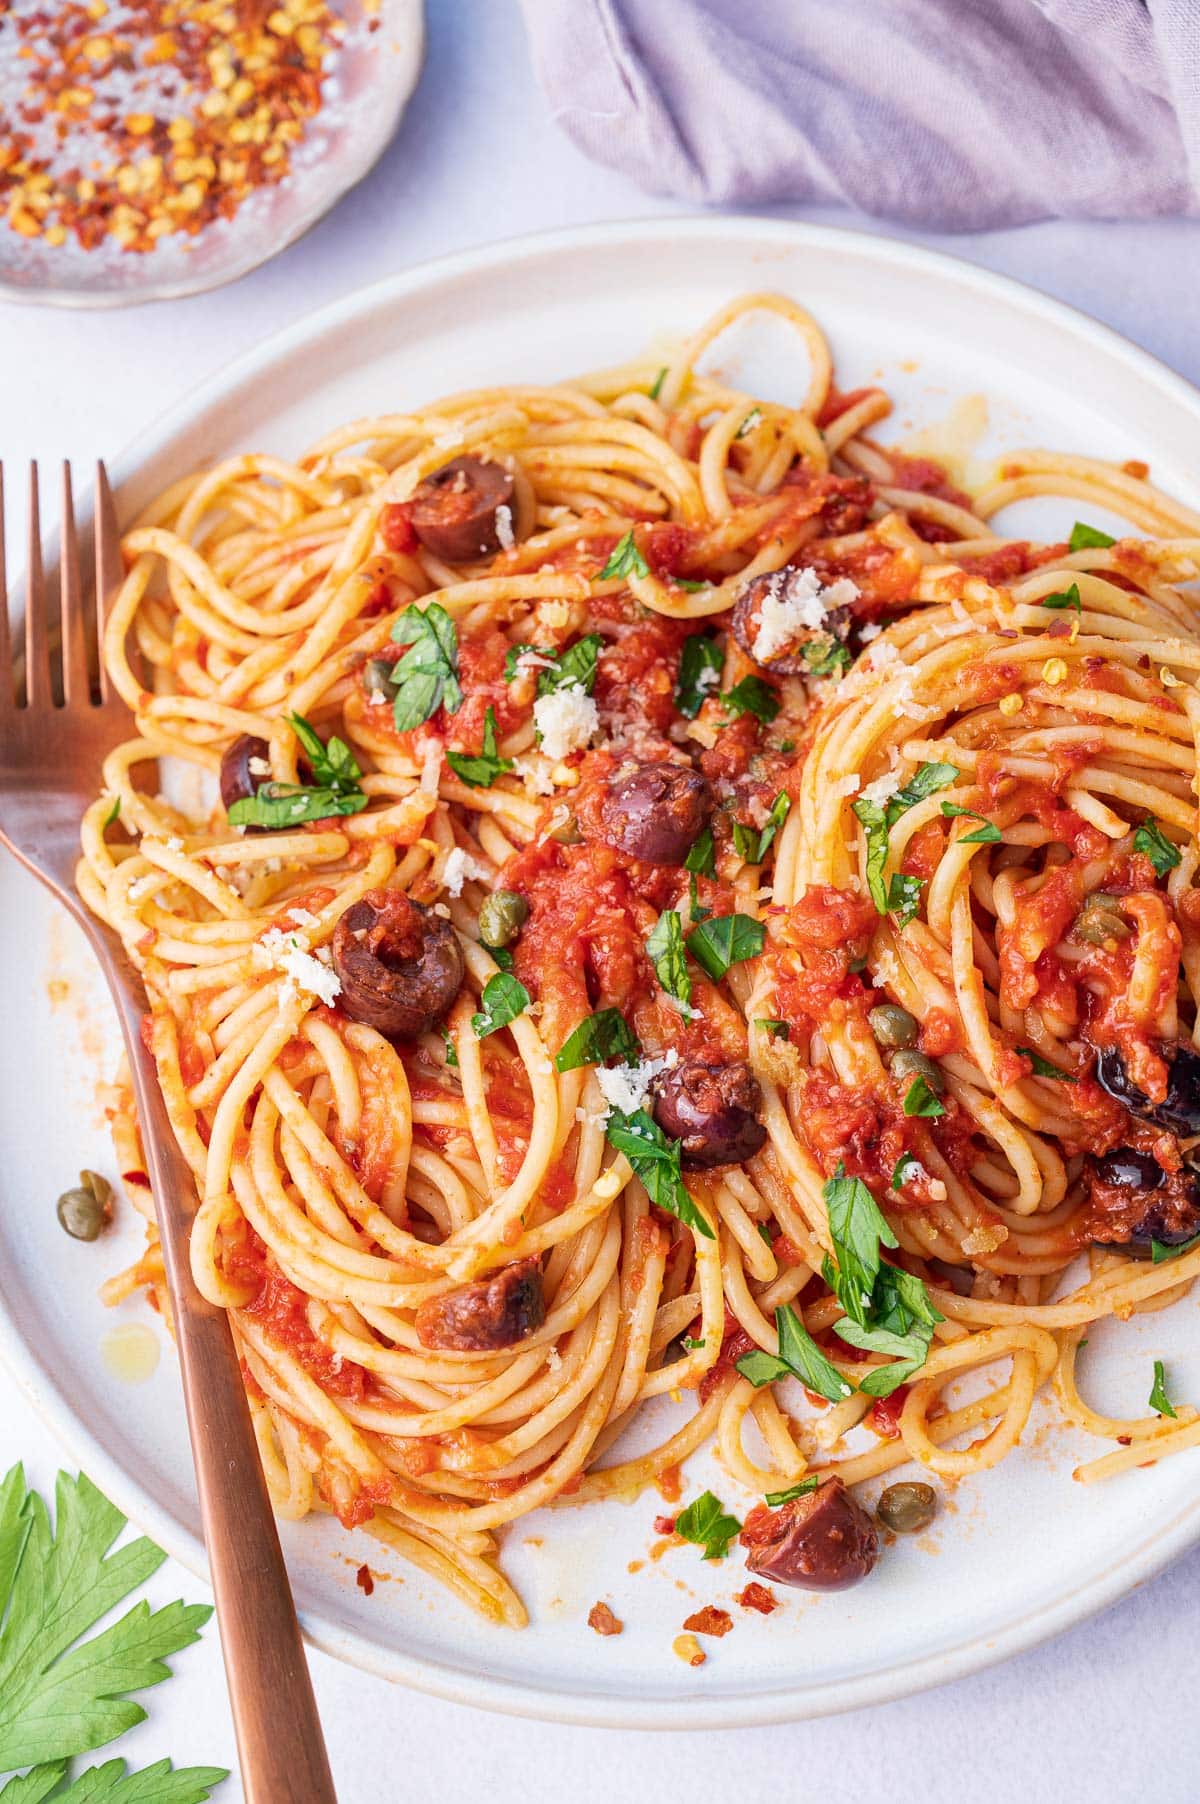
{"type": "Point", "coordinates": [369, 84]}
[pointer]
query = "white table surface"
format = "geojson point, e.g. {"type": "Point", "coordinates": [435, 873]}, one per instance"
{"type": "Point", "coordinates": [1102, 1708]}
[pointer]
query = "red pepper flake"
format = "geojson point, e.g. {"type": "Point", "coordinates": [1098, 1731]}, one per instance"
{"type": "Point", "coordinates": [364, 1581]}
{"type": "Point", "coordinates": [664, 1525]}
{"type": "Point", "coordinates": [756, 1597]}
{"type": "Point", "coordinates": [601, 1618]}
{"type": "Point", "coordinates": [709, 1621]}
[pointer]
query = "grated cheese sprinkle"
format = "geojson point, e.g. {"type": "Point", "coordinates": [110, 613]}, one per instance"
{"type": "Point", "coordinates": [566, 721]}
{"type": "Point", "coordinates": [796, 601]}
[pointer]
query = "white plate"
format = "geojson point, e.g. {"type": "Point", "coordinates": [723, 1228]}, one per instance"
{"type": "Point", "coordinates": [364, 95]}
{"type": "Point", "coordinates": [1020, 1553]}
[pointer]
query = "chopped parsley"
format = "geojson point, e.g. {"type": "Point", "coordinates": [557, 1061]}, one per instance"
{"type": "Point", "coordinates": [725, 940]}
{"type": "Point", "coordinates": [1158, 1393]}
{"type": "Point", "coordinates": [752, 845]}
{"type": "Point", "coordinates": [921, 1100]}
{"type": "Point", "coordinates": [752, 419]}
{"type": "Point", "coordinates": [604, 1035]}
{"type": "Point", "coordinates": [701, 860]}
{"type": "Point", "coordinates": [1064, 598]}
{"type": "Point", "coordinates": [804, 1489]}
{"type": "Point", "coordinates": [656, 1161]}
{"type": "Point", "coordinates": [503, 999]}
{"type": "Point", "coordinates": [114, 814]}
{"type": "Point", "coordinates": [1160, 1251]}
{"type": "Point", "coordinates": [987, 835]}
{"type": "Point", "coordinates": [426, 677]}
{"type": "Point", "coordinates": [878, 820]}
{"type": "Point", "coordinates": [1162, 852]}
{"type": "Point", "coordinates": [665, 946]}
{"type": "Point", "coordinates": [705, 1523]}
{"type": "Point", "coordinates": [481, 769]}
{"type": "Point", "coordinates": [451, 1050]}
{"type": "Point", "coordinates": [799, 1357]}
{"type": "Point", "coordinates": [335, 789]}
{"type": "Point", "coordinates": [690, 1344]}
{"type": "Point", "coordinates": [625, 559]}
{"type": "Point", "coordinates": [826, 655]}
{"type": "Point", "coordinates": [904, 897]}
{"type": "Point", "coordinates": [900, 1171]}
{"type": "Point", "coordinates": [1085, 538]}
{"type": "Point", "coordinates": [1043, 1068]}
{"type": "Point", "coordinates": [655, 389]}
{"type": "Point", "coordinates": [887, 1309]}
{"type": "Point", "coordinates": [700, 664]}
{"type": "Point", "coordinates": [778, 1030]}
{"type": "Point", "coordinates": [753, 696]}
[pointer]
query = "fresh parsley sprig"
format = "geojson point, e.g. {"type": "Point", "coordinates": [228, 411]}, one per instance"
{"type": "Point", "coordinates": [700, 665]}
{"type": "Point", "coordinates": [799, 1357]}
{"type": "Point", "coordinates": [887, 1310]}
{"type": "Point", "coordinates": [752, 845]}
{"type": "Point", "coordinates": [480, 769]}
{"type": "Point", "coordinates": [61, 1695]}
{"type": "Point", "coordinates": [1064, 598]}
{"type": "Point", "coordinates": [426, 677]}
{"type": "Point", "coordinates": [705, 1523]}
{"type": "Point", "coordinates": [878, 819]}
{"type": "Point", "coordinates": [665, 947]}
{"type": "Point", "coordinates": [503, 999]}
{"type": "Point", "coordinates": [335, 788]}
{"type": "Point", "coordinates": [604, 1035]}
{"type": "Point", "coordinates": [1158, 1395]}
{"type": "Point", "coordinates": [753, 696]}
{"type": "Point", "coordinates": [625, 559]}
{"type": "Point", "coordinates": [1162, 852]}
{"type": "Point", "coordinates": [657, 1161]}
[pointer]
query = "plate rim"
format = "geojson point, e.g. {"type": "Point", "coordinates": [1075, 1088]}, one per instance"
{"type": "Point", "coordinates": [24, 1362]}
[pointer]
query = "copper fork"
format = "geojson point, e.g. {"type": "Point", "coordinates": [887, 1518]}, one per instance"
{"type": "Point", "coordinates": [59, 717]}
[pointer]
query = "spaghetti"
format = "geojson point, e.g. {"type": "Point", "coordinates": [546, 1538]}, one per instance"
{"type": "Point", "coordinates": [692, 907]}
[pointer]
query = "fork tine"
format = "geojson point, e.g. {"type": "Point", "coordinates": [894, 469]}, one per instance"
{"type": "Point", "coordinates": [37, 643]}
{"type": "Point", "coordinates": [7, 688]}
{"type": "Point", "coordinates": [76, 687]}
{"type": "Point", "coordinates": [109, 567]}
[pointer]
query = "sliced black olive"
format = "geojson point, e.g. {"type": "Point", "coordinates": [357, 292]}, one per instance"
{"type": "Point", "coordinates": [486, 1315]}
{"type": "Point", "coordinates": [453, 512]}
{"type": "Point", "coordinates": [712, 1110]}
{"type": "Point", "coordinates": [656, 813]}
{"type": "Point", "coordinates": [1133, 1202]}
{"type": "Point", "coordinates": [400, 967]}
{"type": "Point", "coordinates": [242, 769]}
{"type": "Point", "coordinates": [810, 643]}
{"type": "Point", "coordinates": [824, 1541]}
{"type": "Point", "coordinates": [1179, 1111]}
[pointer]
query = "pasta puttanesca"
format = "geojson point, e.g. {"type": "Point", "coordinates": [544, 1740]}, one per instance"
{"type": "Point", "coordinates": [347, 1179]}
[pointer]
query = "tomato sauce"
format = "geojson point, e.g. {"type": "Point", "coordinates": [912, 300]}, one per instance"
{"type": "Point", "coordinates": [281, 1309]}
{"type": "Point", "coordinates": [814, 944]}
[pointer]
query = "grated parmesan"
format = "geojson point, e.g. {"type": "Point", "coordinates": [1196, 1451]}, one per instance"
{"type": "Point", "coordinates": [796, 601]}
{"type": "Point", "coordinates": [259, 767]}
{"type": "Point", "coordinates": [304, 972]}
{"type": "Point", "coordinates": [458, 867]}
{"type": "Point", "coordinates": [628, 1087]}
{"type": "Point", "coordinates": [882, 789]}
{"type": "Point", "coordinates": [504, 527]}
{"type": "Point", "coordinates": [566, 720]}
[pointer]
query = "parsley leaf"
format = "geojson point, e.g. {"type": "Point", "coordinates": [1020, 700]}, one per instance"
{"type": "Point", "coordinates": [858, 1228]}
{"type": "Point", "coordinates": [656, 1161]}
{"type": "Point", "coordinates": [690, 1344]}
{"type": "Point", "coordinates": [665, 946]}
{"type": "Point", "coordinates": [904, 897]}
{"type": "Point", "coordinates": [752, 845]}
{"type": "Point", "coordinates": [1043, 1068]}
{"type": "Point", "coordinates": [1084, 538]}
{"type": "Point", "coordinates": [701, 860]}
{"type": "Point", "coordinates": [878, 820]}
{"type": "Point", "coordinates": [987, 835]}
{"type": "Point", "coordinates": [604, 1035]}
{"type": "Point", "coordinates": [1064, 598]}
{"type": "Point", "coordinates": [705, 1523]}
{"type": "Point", "coordinates": [625, 558]}
{"type": "Point", "coordinates": [700, 664]}
{"type": "Point", "coordinates": [335, 790]}
{"type": "Point", "coordinates": [501, 954]}
{"type": "Point", "coordinates": [58, 1699]}
{"type": "Point", "coordinates": [920, 1100]}
{"type": "Point", "coordinates": [503, 999]}
{"type": "Point", "coordinates": [902, 1323]}
{"type": "Point", "coordinates": [515, 653]}
{"type": "Point", "coordinates": [482, 768]}
{"type": "Point", "coordinates": [900, 1170]}
{"type": "Point", "coordinates": [1162, 852]}
{"type": "Point", "coordinates": [451, 1051]}
{"type": "Point", "coordinates": [655, 388]}
{"type": "Point", "coordinates": [1160, 1251]}
{"type": "Point", "coordinates": [112, 1784]}
{"type": "Point", "coordinates": [751, 420]}
{"type": "Point", "coordinates": [825, 655]}
{"type": "Point", "coordinates": [778, 1030]}
{"type": "Point", "coordinates": [426, 677]}
{"type": "Point", "coordinates": [1158, 1398]}
{"type": "Point", "coordinates": [799, 1357]}
{"type": "Point", "coordinates": [804, 1489]}
{"type": "Point", "coordinates": [723, 941]}
{"type": "Point", "coordinates": [925, 781]}
{"type": "Point", "coordinates": [114, 814]}
{"type": "Point", "coordinates": [753, 696]}
{"type": "Point", "coordinates": [574, 667]}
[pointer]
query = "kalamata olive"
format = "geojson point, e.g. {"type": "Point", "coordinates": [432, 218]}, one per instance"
{"type": "Point", "coordinates": [86, 1210]}
{"type": "Point", "coordinates": [502, 917]}
{"type": "Point", "coordinates": [1179, 1111]}
{"type": "Point", "coordinates": [491, 1313]}
{"type": "Point", "coordinates": [893, 1026]}
{"type": "Point", "coordinates": [1133, 1202]}
{"type": "Point", "coordinates": [824, 1541]}
{"type": "Point", "coordinates": [453, 512]}
{"type": "Point", "coordinates": [911, 1065]}
{"type": "Point", "coordinates": [1100, 920]}
{"type": "Point", "coordinates": [400, 967]}
{"type": "Point", "coordinates": [789, 660]}
{"type": "Point", "coordinates": [712, 1110]}
{"type": "Point", "coordinates": [907, 1508]}
{"type": "Point", "coordinates": [656, 813]}
{"type": "Point", "coordinates": [245, 765]}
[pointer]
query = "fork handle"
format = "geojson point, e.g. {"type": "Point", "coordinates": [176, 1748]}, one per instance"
{"type": "Point", "coordinates": [281, 1748]}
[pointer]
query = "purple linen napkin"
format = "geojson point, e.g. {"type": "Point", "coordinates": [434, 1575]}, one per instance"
{"type": "Point", "coordinates": [956, 114]}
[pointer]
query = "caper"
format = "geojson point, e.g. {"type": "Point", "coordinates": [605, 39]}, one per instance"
{"type": "Point", "coordinates": [86, 1210]}
{"type": "Point", "coordinates": [1100, 920]}
{"type": "Point", "coordinates": [568, 833]}
{"type": "Point", "coordinates": [502, 917]}
{"type": "Point", "coordinates": [915, 1064]}
{"type": "Point", "coordinates": [379, 676]}
{"type": "Point", "coordinates": [908, 1508]}
{"type": "Point", "coordinates": [893, 1026]}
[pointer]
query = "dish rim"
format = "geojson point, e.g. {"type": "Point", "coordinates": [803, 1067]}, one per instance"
{"type": "Point", "coordinates": [443, 1679]}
